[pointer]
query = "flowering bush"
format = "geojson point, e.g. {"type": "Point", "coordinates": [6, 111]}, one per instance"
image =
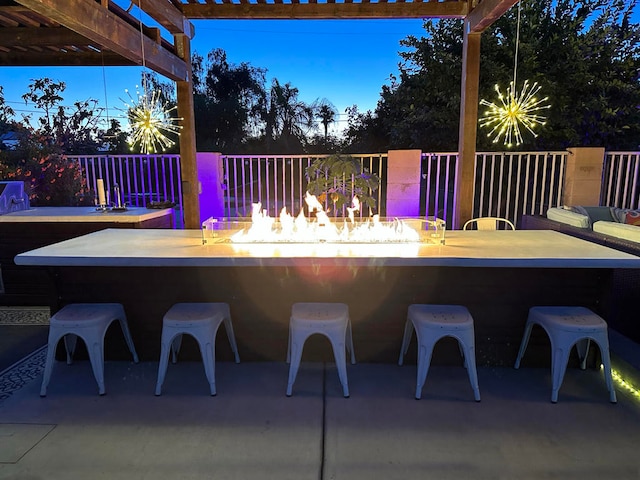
{"type": "Point", "coordinates": [51, 180]}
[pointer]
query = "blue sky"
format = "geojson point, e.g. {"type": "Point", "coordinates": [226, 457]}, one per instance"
{"type": "Point", "coordinates": [346, 62]}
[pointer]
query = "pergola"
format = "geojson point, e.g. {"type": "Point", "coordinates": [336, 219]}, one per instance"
{"type": "Point", "coordinates": [100, 32]}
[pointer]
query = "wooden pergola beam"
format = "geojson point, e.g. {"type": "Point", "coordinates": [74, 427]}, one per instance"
{"type": "Point", "coordinates": [319, 11]}
{"type": "Point", "coordinates": [167, 15]}
{"type": "Point", "coordinates": [40, 37]}
{"type": "Point", "coordinates": [62, 59]}
{"type": "Point", "coordinates": [98, 24]}
{"type": "Point", "coordinates": [487, 12]}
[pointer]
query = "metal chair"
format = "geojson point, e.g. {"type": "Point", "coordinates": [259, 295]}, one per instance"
{"type": "Point", "coordinates": [489, 223]}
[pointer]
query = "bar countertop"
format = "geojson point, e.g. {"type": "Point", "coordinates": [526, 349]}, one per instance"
{"type": "Point", "coordinates": [184, 248]}
{"type": "Point", "coordinates": [82, 214]}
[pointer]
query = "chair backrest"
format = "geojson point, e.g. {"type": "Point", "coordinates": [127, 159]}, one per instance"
{"type": "Point", "coordinates": [489, 223]}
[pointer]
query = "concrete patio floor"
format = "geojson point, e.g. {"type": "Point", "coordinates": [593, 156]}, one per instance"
{"type": "Point", "coordinates": [251, 430]}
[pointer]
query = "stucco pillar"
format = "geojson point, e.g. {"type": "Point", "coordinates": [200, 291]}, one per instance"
{"type": "Point", "coordinates": [403, 183]}
{"type": "Point", "coordinates": [210, 179]}
{"type": "Point", "coordinates": [583, 176]}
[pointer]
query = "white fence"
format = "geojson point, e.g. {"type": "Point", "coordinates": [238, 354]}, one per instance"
{"type": "Point", "coordinates": [507, 184]}
{"type": "Point", "coordinates": [142, 179]}
{"type": "Point", "coordinates": [621, 180]}
{"type": "Point", "coordinates": [280, 181]}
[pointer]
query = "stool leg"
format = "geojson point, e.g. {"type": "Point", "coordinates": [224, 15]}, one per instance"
{"type": "Point", "coordinates": [524, 343]}
{"type": "Point", "coordinates": [165, 347]}
{"type": "Point", "coordinates": [175, 348]}
{"type": "Point", "coordinates": [425, 350]}
{"type": "Point", "coordinates": [341, 365]}
{"type": "Point", "coordinates": [70, 341]}
{"type": "Point", "coordinates": [406, 339]}
{"type": "Point", "coordinates": [560, 357]}
{"type": "Point", "coordinates": [96, 357]}
{"type": "Point", "coordinates": [606, 365]}
{"type": "Point", "coordinates": [350, 343]}
{"type": "Point", "coordinates": [127, 336]}
{"type": "Point", "coordinates": [207, 350]}
{"type": "Point", "coordinates": [289, 346]}
{"type": "Point", "coordinates": [582, 346]}
{"type": "Point", "coordinates": [470, 362]}
{"type": "Point", "coordinates": [228, 326]}
{"type": "Point", "coordinates": [54, 338]}
{"type": "Point", "coordinates": [296, 346]}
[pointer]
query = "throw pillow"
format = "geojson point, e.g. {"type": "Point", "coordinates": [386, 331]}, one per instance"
{"type": "Point", "coordinates": [619, 214]}
{"type": "Point", "coordinates": [633, 218]}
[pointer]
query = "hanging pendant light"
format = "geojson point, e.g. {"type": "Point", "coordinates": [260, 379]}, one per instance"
{"type": "Point", "coordinates": [150, 119]}
{"type": "Point", "coordinates": [515, 112]}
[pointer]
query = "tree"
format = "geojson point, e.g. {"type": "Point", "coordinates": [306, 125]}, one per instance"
{"type": "Point", "coordinates": [44, 93]}
{"type": "Point", "coordinates": [585, 54]}
{"type": "Point", "coordinates": [288, 119]}
{"type": "Point", "coordinates": [228, 101]}
{"type": "Point", "coordinates": [326, 112]}
{"type": "Point", "coordinates": [6, 112]}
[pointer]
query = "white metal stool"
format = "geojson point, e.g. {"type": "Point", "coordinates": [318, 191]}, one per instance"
{"type": "Point", "coordinates": [433, 322]}
{"type": "Point", "coordinates": [89, 321]}
{"type": "Point", "coordinates": [201, 321]}
{"type": "Point", "coordinates": [566, 327]}
{"type": "Point", "coordinates": [328, 319]}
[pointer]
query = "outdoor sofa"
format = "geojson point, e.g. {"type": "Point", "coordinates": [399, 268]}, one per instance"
{"type": "Point", "coordinates": [605, 226]}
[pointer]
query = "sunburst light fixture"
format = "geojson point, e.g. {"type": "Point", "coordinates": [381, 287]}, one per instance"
{"type": "Point", "coordinates": [150, 119]}
{"type": "Point", "coordinates": [514, 112]}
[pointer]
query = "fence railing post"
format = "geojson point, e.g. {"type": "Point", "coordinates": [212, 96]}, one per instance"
{"type": "Point", "coordinates": [210, 180]}
{"type": "Point", "coordinates": [583, 176]}
{"type": "Point", "coordinates": [403, 183]}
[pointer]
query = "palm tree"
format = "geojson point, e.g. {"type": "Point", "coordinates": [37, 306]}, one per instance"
{"type": "Point", "coordinates": [326, 112]}
{"type": "Point", "coordinates": [287, 117]}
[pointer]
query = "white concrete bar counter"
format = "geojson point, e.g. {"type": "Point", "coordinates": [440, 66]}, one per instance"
{"type": "Point", "coordinates": [178, 248]}
{"type": "Point", "coordinates": [498, 275]}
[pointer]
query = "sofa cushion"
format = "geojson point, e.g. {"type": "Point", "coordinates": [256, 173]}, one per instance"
{"type": "Point", "coordinates": [595, 214]}
{"type": "Point", "coordinates": [568, 217]}
{"type": "Point", "coordinates": [618, 230]}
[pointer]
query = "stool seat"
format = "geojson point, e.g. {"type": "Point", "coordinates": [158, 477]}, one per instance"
{"type": "Point", "coordinates": [328, 319]}
{"type": "Point", "coordinates": [90, 322]}
{"type": "Point", "coordinates": [567, 326]}
{"type": "Point", "coordinates": [431, 323]}
{"type": "Point", "coordinates": [201, 321]}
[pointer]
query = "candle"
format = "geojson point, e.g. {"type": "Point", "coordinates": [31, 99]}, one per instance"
{"type": "Point", "coordinates": [101, 196]}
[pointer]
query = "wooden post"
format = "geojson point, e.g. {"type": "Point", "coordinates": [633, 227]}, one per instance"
{"type": "Point", "coordinates": [188, 165]}
{"type": "Point", "coordinates": [468, 128]}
